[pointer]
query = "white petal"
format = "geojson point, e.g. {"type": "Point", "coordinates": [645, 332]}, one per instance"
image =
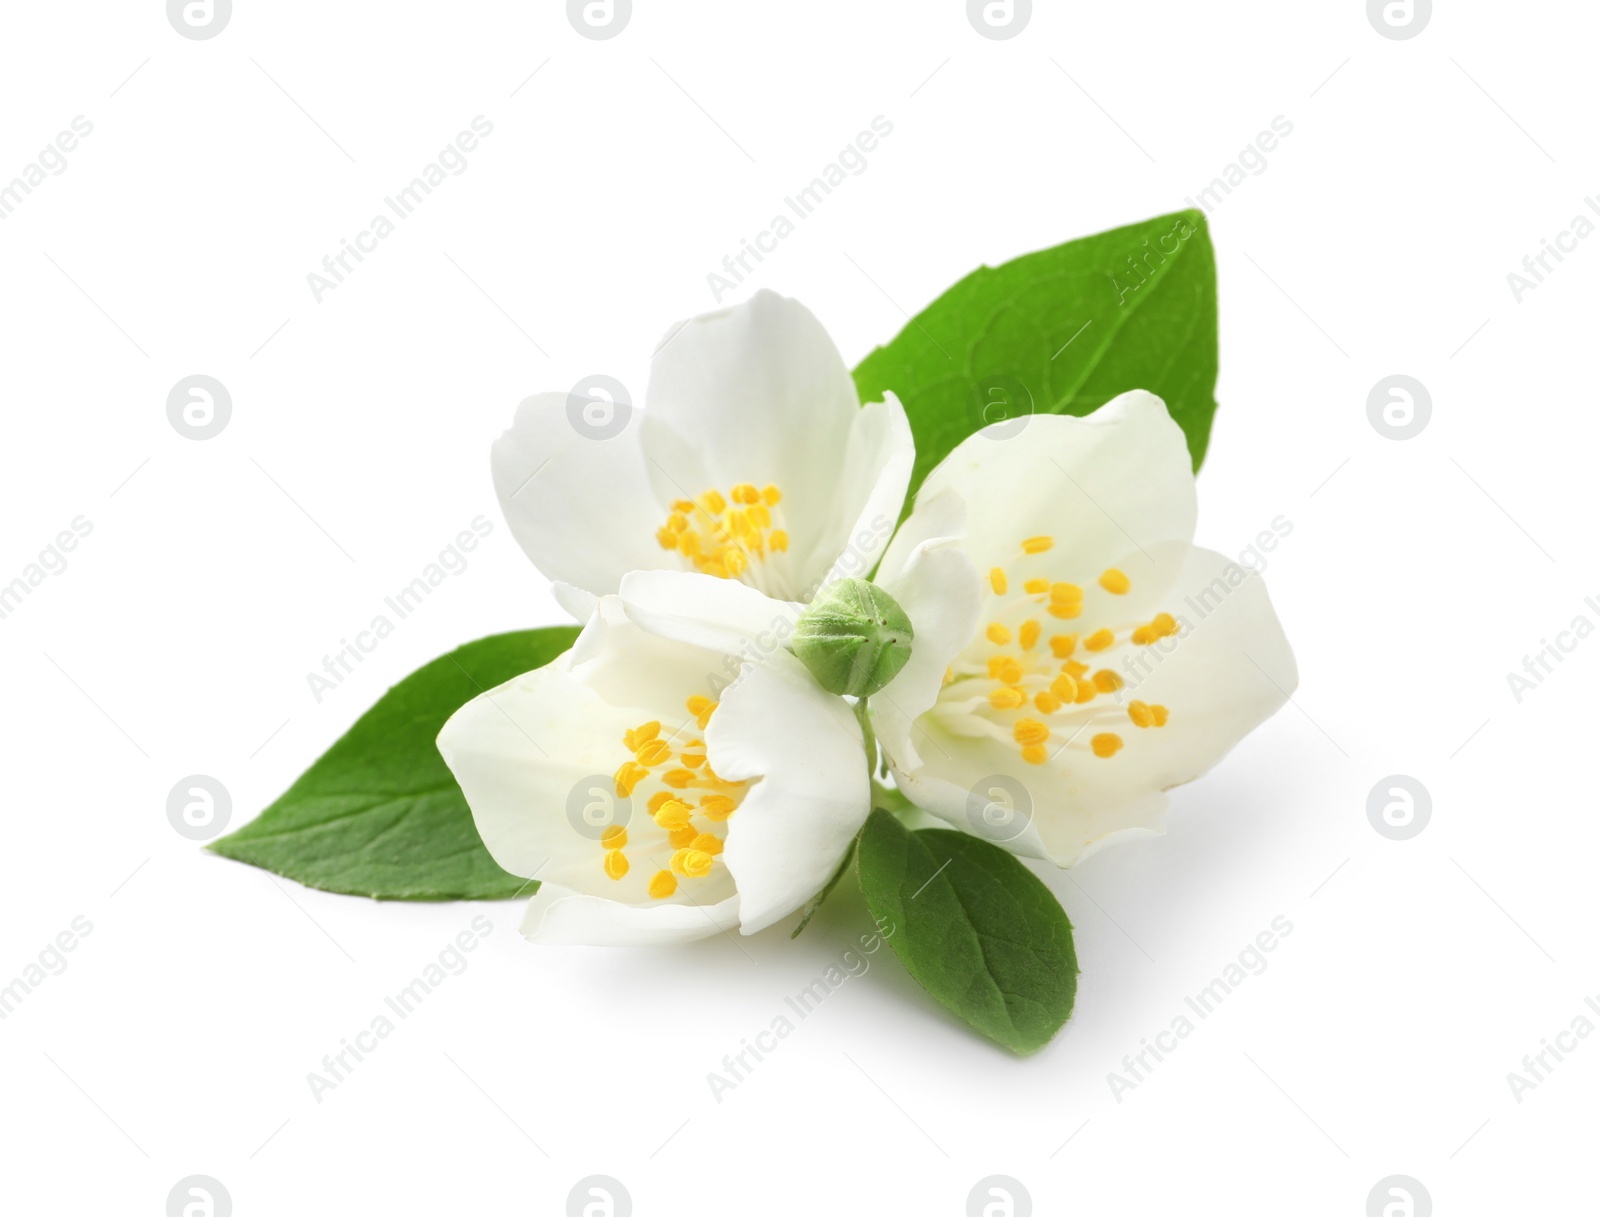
{"type": "Point", "coordinates": [795, 823]}
{"type": "Point", "coordinates": [754, 393]}
{"type": "Point", "coordinates": [939, 589]}
{"type": "Point", "coordinates": [1119, 480]}
{"type": "Point", "coordinates": [582, 509]}
{"type": "Point", "coordinates": [704, 611]}
{"type": "Point", "coordinates": [579, 603]}
{"type": "Point", "coordinates": [557, 917]}
{"type": "Point", "coordinates": [872, 489]}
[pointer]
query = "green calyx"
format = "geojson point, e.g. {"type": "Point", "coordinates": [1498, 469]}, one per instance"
{"type": "Point", "coordinates": [853, 637]}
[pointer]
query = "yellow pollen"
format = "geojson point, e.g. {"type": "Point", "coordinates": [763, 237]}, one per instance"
{"type": "Point", "coordinates": [713, 503]}
{"type": "Point", "coordinates": [614, 837]}
{"type": "Point", "coordinates": [1075, 669]}
{"type": "Point", "coordinates": [654, 752]}
{"type": "Point", "coordinates": [1062, 645]}
{"type": "Point", "coordinates": [662, 885]}
{"type": "Point", "coordinates": [695, 863]}
{"type": "Point", "coordinates": [1139, 714]}
{"type": "Point", "coordinates": [1046, 702]}
{"type": "Point", "coordinates": [1028, 635]}
{"type": "Point", "coordinates": [1160, 713]}
{"type": "Point", "coordinates": [1106, 744]}
{"type": "Point", "coordinates": [1010, 672]}
{"type": "Point", "coordinates": [770, 495]}
{"type": "Point", "coordinates": [629, 776]}
{"type": "Point", "coordinates": [1034, 754]}
{"type": "Point", "coordinates": [1107, 681]}
{"type": "Point", "coordinates": [1066, 610]}
{"type": "Point", "coordinates": [1064, 688]}
{"type": "Point", "coordinates": [1037, 545]}
{"type": "Point", "coordinates": [1115, 582]}
{"type": "Point", "coordinates": [1065, 593]}
{"type": "Point", "coordinates": [1007, 697]}
{"type": "Point", "coordinates": [1030, 731]}
{"type": "Point", "coordinates": [616, 865]}
{"type": "Point", "coordinates": [998, 634]}
{"type": "Point", "coordinates": [1036, 587]}
{"type": "Point", "coordinates": [717, 807]}
{"type": "Point", "coordinates": [701, 707]}
{"type": "Point", "coordinates": [1162, 626]}
{"type": "Point", "coordinates": [716, 538]}
{"type": "Point", "coordinates": [1086, 692]}
{"type": "Point", "coordinates": [1099, 640]}
{"type": "Point", "coordinates": [779, 540]}
{"type": "Point", "coordinates": [683, 506]}
{"type": "Point", "coordinates": [997, 580]}
{"type": "Point", "coordinates": [692, 760]}
{"type": "Point", "coordinates": [674, 813]}
{"type": "Point", "coordinates": [680, 837]}
{"type": "Point", "coordinates": [745, 493]}
{"type": "Point", "coordinates": [707, 844]}
{"type": "Point", "coordinates": [678, 778]}
{"type": "Point", "coordinates": [667, 538]}
{"type": "Point", "coordinates": [641, 734]}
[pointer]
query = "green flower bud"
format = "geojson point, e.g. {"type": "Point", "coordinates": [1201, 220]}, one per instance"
{"type": "Point", "coordinates": [853, 637]}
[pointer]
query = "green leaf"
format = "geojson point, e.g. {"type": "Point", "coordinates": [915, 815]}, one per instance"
{"type": "Point", "coordinates": [379, 814]}
{"type": "Point", "coordinates": [974, 927]}
{"type": "Point", "coordinates": [1072, 327]}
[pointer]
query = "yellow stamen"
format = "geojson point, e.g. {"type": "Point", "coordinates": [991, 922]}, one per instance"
{"type": "Point", "coordinates": [641, 734]}
{"type": "Point", "coordinates": [662, 885]}
{"type": "Point", "coordinates": [1099, 640]}
{"type": "Point", "coordinates": [998, 634]}
{"type": "Point", "coordinates": [1160, 714]}
{"type": "Point", "coordinates": [1034, 754]}
{"type": "Point", "coordinates": [1065, 593]}
{"type": "Point", "coordinates": [1107, 681]}
{"type": "Point", "coordinates": [997, 580]}
{"type": "Point", "coordinates": [614, 837]}
{"type": "Point", "coordinates": [616, 865]}
{"type": "Point", "coordinates": [1062, 645]}
{"type": "Point", "coordinates": [1140, 715]}
{"type": "Point", "coordinates": [681, 837]}
{"type": "Point", "coordinates": [1028, 635]}
{"type": "Point", "coordinates": [770, 495]}
{"type": "Point", "coordinates": [779, 540]}
{"type": "Point", "coordinates": [1064, 688]}
{"type": "Point", "coordinates": [1036, 587]}
{"type": "Point", "coordinates": [717, 807]}
{"type": "Point", "coordinates": [629, 776]}
{"type": "Point", "coordinates": [654, 752]}
{"type": "Point", "coordinates": [1046, 702]}
{"type": "Point", "coordinates": [1037, 545]}
{"type": "Point", "coordinates": [1106, 744]}
{"type": "Point", "coordinates": [707, 844]}
{"type": "Point", "coordinates": [695, 863]}
{"type": "Point", "coordinates": [674, 813]}
{"type": "Point", "coordinates": [1066, 610]}
{"type": "Point", "coordinates": [1030, 731]}
{"type": "Point", "coordinates": [1007, 697]}
{"type": "Point", "coordinates": [678, 778]}
{"type": "Point", "coordinates": [1115, 582]}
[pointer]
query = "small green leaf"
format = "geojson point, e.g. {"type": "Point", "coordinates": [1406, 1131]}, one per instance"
{"type": "Point", "coordinates": [974, 927]}
{"type": "Point", "coordinates": [379, 814]}
{"type": "Point", "coordinates": [1062, 331]}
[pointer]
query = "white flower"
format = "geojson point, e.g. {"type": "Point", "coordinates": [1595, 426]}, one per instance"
{"type": "Point", "coordinates": [662, 791]}
{"type": "Point", "coordinates": [1094, 658]}
{"type": "Point", "coordinates": [753, 459]}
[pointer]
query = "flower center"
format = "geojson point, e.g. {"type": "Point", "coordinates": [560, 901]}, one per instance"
{"type": "Point", "coordinates": [688, 791]}
{"type": "Point", "coordinates": [1043, 697]}
{"type": "Point", "coordinates": [731, 537]}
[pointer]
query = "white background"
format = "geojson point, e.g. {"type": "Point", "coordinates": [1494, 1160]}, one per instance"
{"type": "Point", "coordinates": [218, 573]}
